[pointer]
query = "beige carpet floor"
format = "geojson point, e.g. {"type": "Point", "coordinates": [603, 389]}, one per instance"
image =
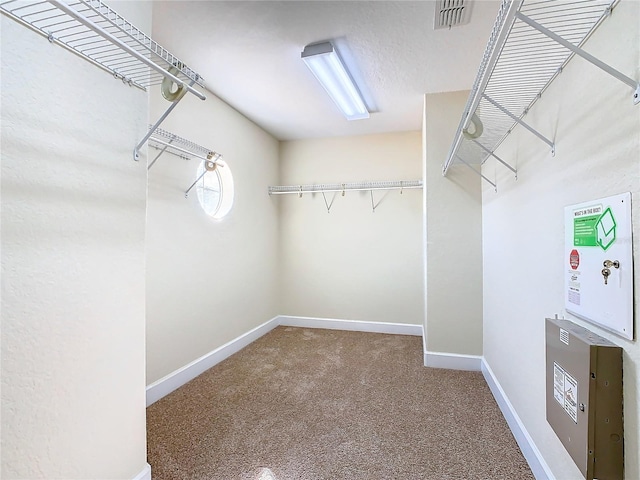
{"type": "Point", "coordinates": [325, 404]}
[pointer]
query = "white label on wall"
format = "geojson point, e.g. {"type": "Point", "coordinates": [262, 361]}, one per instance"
{"type": "Point", "coordinates": [558, 384]}
{"type": "Point", "coordinates": [571, 396]}
{"type": "Point", "coordinates": [596, 233]}
{"type": "Point", "coordinates": [564, 336]}
{"type": "Point", "coordinates": [565, 391]}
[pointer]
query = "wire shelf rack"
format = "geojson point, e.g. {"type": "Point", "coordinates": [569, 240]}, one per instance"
{"type": "Point", "coordinates": [95, 32]}
{"type": "Point", "coordinates": [165, 141]}
{"type": "Point", "coordinates": [342, 187]}
{"type": "Point", "coordinates": [529, 45]}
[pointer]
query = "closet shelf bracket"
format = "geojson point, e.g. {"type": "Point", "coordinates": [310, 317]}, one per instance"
{"type": "Point", "coordinates": [374, 205]}
{"type": "Point", "coordinates": [327, 204]}
{"type": "Point", "coordinates": [492, 154]}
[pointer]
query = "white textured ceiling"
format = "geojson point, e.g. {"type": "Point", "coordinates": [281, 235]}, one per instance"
{"type": "Point", "coordinates": [249, 56]}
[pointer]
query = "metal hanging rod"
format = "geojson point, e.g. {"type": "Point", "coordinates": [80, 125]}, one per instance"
{"type": "Point", "coordinates": [169, 142]}
{"type": "Point", "coordinates": [344, 187]}
{"type": "Point", "coordinates": [522, 58]}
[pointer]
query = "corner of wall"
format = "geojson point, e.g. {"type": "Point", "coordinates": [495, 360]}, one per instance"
{"type": "Point", "coordinates": [424, 226]}
{"type": "Point", "coordinates": [594, 124]}
{"type": "Point", "coordinates": [453, 232]}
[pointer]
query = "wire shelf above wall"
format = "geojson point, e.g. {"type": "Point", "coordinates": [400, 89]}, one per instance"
{"type": "Point", "coordinates": [186, 149]}
{"type": "Point", "coordinates": [343, 187]}
{"type": "Point", "coordinates": [98, 34]}
{"type": "Point", "coordinates": [335, 188]}
{"type": "Point", "coordinates": [165, 141]}
{"type": "Point", "coordinates": [530, 44]}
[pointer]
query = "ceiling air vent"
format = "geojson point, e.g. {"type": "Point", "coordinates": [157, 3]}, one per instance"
{"type": "Point", "coordinates": [451, 13]}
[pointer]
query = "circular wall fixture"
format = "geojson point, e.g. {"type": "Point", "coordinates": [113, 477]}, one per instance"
{"type": "Point", "coordinates": [215, 188]}
{"type": "Point", "coordinates": [171, 91]}
{"type": "Point", "coordinates": [477, 128]}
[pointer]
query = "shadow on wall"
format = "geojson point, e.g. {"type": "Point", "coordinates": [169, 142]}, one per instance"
{"type": "Point", "coordinates": [467, 180]}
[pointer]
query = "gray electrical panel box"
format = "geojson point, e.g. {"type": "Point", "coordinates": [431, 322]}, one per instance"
{"type": "Point", "coordinates": [584, 398]}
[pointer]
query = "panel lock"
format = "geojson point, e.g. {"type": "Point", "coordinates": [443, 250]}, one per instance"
{"type": "Point", "coordinates": [606, 271]}
{"type": "Point", "coordinates": [609, 264]}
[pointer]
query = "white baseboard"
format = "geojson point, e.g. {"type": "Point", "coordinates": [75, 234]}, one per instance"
{"type": "Point", "coordinates": [531, 453]}
{"type": "Point", "coordinates": [351, 325]}
{"type": "Point", "coordinates": [145, 474]}
{"type": "Point", "coordinates": [453, 361]}
{"type": "Point", "coordinates": [174, 380]}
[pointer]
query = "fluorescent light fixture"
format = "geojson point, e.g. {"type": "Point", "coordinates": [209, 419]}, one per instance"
{"type": "Point", "coordinates": [325, 63]}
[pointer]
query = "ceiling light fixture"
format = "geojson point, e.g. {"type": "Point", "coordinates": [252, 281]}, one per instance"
{"type": "Point", "coordinates": [325, 63]}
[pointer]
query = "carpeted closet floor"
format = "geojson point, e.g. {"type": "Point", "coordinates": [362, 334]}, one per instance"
{"type": "Point", "coordinates": [325, 404]}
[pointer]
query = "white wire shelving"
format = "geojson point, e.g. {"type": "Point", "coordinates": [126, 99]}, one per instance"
{"type": "Point", "coordinates": [165, 141]}
{"type": "Point", "coordinates": [342, 188]}
{"type": "Point", "coordinates": [98, 34]}
{"type": "Point", "coordinates": [530, 44]}
{"type": "Point", "coordinates": [92, 30]}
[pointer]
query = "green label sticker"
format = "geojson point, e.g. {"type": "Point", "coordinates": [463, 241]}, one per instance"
{"type": "Point", "coordinates": [584, 231]}
{"type": "Point", "coordinates": [593, 227]}
{"type": "Point", "coordinates": [606, 229]}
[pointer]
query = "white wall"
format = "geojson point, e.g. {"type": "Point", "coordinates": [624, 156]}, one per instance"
{"type": "Point", "coordinates": [454, 234]}
{"type": "Point", "coordinates": [73, 209]}
{"type": "Point", "coordinates": [352, 263]}
{"type": "Point", "coordinates": [597, 133]}
{"type": "Point", "coordinates": [208, 281]}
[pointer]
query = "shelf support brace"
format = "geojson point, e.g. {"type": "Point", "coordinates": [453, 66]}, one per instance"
{"type": "Point", "coordinates": [479, 173]}
{"type": "Point", "coordinates": [328, 205]}
{"type": "Point", "coordinates": [166, 145]}
{"type": "Point", "coordinates": [373, 204]}
{"type": "Point", "coordinates": [186, 194]}
{"type": "Point", "coordinates": [136, 151]}
{"type": "Point", "coordinates": [217, 157]}
{"type": "Point", "coordinates": [588, 57]}
{"type": "Point", "coordinates": [519, 121]}
{"type": "Point", "coordinates": [515, 172]}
